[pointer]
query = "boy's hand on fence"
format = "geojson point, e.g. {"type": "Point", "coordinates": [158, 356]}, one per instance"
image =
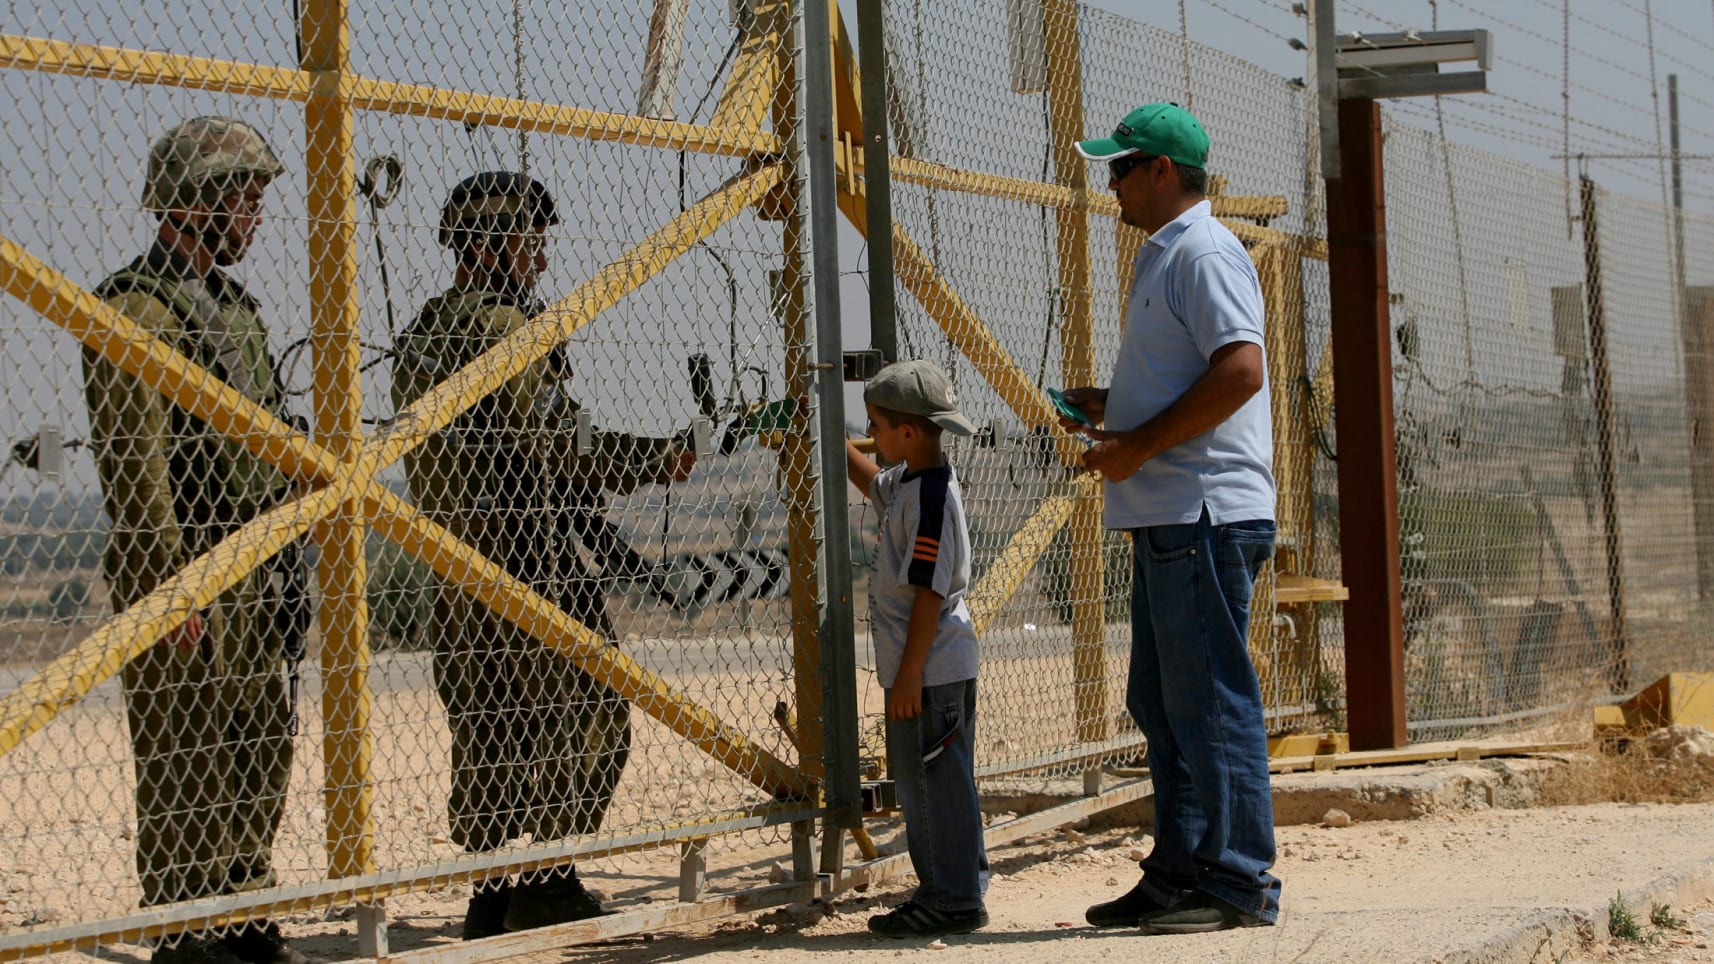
{"type": "Point", "coordinates": [186, 636]}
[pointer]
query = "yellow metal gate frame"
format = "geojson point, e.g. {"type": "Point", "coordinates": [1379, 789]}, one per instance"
{"type": "Point", "coordinates": [340, 498]}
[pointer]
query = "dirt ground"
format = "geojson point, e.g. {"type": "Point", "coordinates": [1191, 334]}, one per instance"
{"type": "Point", "coordinates": [1488, 885]}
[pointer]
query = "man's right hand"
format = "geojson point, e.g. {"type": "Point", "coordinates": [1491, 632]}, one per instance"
{"type": "Point", "coordinates": [187, 635]}
{"type": "Point", "coordinates": [1093, 402]}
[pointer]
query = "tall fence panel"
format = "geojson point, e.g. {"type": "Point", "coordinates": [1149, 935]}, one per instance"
{"type": "Point", "coordinates": [548, 462]}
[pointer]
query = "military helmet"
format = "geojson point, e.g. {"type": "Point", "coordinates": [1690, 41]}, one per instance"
{"type": "Point", "coordinates": [203, 159]}
{"type": "Point", "coordinates": [496, 201]}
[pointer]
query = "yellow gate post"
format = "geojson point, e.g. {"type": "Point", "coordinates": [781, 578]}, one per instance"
{"type": "Point", "coordinates": [344, 619]}
{"type": "Point", "coordinates": [1088, 589]}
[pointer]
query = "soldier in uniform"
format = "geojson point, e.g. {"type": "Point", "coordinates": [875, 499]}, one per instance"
{"type": "Point", "coordinates": [537, 745]}
{"type": "Point", "coordinates": [207, 706]}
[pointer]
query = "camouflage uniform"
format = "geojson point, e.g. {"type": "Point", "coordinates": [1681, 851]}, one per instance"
{"type": "Point", "coordinates": [537, 745]}
{"type": "Point", "coordinates": [208, 723]}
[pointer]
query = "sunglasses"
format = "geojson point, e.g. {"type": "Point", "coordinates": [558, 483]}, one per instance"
{"type": "Point", "coordinates": [1118, 167]}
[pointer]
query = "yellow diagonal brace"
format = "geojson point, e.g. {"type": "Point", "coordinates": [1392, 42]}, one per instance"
{"type": "Point", "coordinates": [1000, 583]}
{"type": "Point", "coordinates": [118, 640]}
{"type": "Point", "coordinates": [147, 67]}
{"type": "Point", "coordinates": [438, 407]}
{"type": "Point", "coordinates": [135, 350]}
{"type": "Point", "coordinates": [226, 76]}
{"type": "Point", "coordinates": [962, 326]}
{"type": "Point", "coordinates": [755, 77]}
{"type": "Point", "coordinates": [513, 600]}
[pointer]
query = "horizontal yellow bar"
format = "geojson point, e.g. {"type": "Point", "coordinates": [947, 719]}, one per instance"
{"type": "Point", "coordinates": [135, 350]}
{"type": "Point", "coordinates": [205, 73]}
{"type": "Point", "coordinates": [997, 586]}
{"type": "Point", "coordinates": [508, 112]}
{"type": "Point", "coordinates": [118, 640]}
{"type": "Point", "coordinates": [928, 174]}
{"type": "Point", "coordinates": [146, 67]}
{"type": "Point", "coordinates": [437, 408]}
{"type": "Point", "coordinates": [514, 601]}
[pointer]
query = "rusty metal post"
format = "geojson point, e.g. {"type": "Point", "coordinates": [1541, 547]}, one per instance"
{"type": "Point", "coordinates": [1606, 465]}
{"type": "Point", "coordinates": [1363, 399]}
{"type": "Point", "coordinates": [1698, 323]}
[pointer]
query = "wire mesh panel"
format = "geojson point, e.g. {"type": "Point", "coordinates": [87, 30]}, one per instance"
{"type": "Point", "coordinates": [415, 471]}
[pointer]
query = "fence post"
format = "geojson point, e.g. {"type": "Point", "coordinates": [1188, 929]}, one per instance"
{"type": "Point", "coordinates": [1698, 322]}
{"type": "Point", "coordinates": [1606, 468]}
{"type": "Point", "coordinates": [331, 170]}
{"type": "Point", "coordinates": [1088, 590]}
{"type": "Point", "coordinates": [1363, 413]}
{"type": "Point", "coordinates": [825, 662]}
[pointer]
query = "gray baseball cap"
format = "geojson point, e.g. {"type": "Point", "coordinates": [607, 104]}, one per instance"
{"type": "Point", "coordinates": [919, 388]}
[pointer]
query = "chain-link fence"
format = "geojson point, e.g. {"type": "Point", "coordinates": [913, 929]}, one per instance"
{"type": "Point", "coordinates": [503, 396]}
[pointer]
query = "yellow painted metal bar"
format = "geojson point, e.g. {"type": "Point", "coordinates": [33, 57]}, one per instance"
{"type": "Point", "coordinates": [930, 174]}
{"type": "Point", "coordinates": [513, 600]}
{"type": "Point", "coordinates": [147, 67]}
{"type": "Point", "coordinates": [138, 352]}
{"type": "Point", "coordinates": [798, 463]}
{"type": "Point", "coordinates": [206, 73]}
{"type": "Point", "coordinates": [347, 744]}
{"type": "Point", "coordinates": [1077, 339]}
{"type": "Point", "coordinates": [1002, 580]}
{"type": "Point", "coordinates": [959, 321]}
{"type": "Point", "coordinates": [754, 80]}
{"type": "Point", "coordinates": [536, 116]}
{"type": "Point", "coordinates": [437, 408]}
{"type": "Point", "coordinates": [119, 640]}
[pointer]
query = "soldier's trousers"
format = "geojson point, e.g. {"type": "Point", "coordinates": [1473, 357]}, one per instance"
{"type": "Point", "coordinates": [537, 744]}
{"type": "Point", "coordinates": [212, 753]}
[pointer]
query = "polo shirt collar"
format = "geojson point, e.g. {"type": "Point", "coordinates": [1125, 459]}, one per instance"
{"type": "Point", "coordinates": [1170, 231]}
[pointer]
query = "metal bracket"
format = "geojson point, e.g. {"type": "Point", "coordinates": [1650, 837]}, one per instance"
{"type": "Point", "coordinates": [863, 364]}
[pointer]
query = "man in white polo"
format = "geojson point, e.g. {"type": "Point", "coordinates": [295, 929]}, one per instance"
{"type": "Point", "coordinates": [1186, 448]}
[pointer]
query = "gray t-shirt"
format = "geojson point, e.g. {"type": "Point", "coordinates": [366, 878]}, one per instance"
{"type": "Point", "coordinates": [924, 542]}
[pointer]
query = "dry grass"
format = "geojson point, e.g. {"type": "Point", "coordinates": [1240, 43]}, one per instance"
{"type": "Point", "coordinates": [1624, 770]}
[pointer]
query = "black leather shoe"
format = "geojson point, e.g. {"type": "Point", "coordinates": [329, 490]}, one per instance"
{"type": "Point", "coordinates": [1126, 911]}
{"type": "Point", "coordinates": [194, 950]}
{"type": "Point", "coordinates": [485, 916]}
{"type": "Point", "coordinates": [1199, 913]}
{"type": "Point", "coordinates": [558, 900]}
{"type": "Point", "coordinates": [260, 942]}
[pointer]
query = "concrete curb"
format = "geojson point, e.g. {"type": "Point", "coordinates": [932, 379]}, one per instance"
{"type": "Point", "coordinates": [1552, 931]}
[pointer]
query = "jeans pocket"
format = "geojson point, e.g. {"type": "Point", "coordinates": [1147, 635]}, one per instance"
{"type": "Point", "coordinates": [1170, 542]}
{"type": "Point", "coordinates": [1240, 550]}
{"type": "Point", "coordinates": [942, 720]}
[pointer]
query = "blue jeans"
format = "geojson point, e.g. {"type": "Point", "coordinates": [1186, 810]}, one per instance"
{"type": "Point", "coordinates": [1193, 691]}
{"type": "Point", "coordinates": [943, 819]}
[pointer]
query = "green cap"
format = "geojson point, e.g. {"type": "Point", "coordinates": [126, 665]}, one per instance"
{"type": "Point", "coordinates": [918, 388]}
{"type": "Point", "coordinates": [1162, 130]}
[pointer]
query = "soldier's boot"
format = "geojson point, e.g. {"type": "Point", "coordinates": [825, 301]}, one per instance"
{"type": "Point", "coordinates": [486, 914]}
{"type": "Point", "coordinates": [260, 942]}
{"type": "Point", "coordinates": [552, 898]}
{"type": "Point", "coordinates": [194, 950]}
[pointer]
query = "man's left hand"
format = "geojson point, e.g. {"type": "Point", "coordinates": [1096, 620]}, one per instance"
{"type": "Point", "coordinates": [1113, 455]}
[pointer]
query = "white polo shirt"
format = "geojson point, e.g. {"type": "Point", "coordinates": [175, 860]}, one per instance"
{"type": "Point", "coordinates": [1195, 291]}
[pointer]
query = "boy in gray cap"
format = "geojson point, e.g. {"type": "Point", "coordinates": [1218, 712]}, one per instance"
{"type": "Point", "coordinates": [925, 646]}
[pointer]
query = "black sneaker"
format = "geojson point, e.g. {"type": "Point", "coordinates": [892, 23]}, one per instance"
{"type": "Point", "coordinates": [486, 914]}
{"type": "Point", "coordinates": [559, 900]}
{"type": "Point", "coordinates": [194, 950]}
{"type": "Point", "coordinates": [911, 919]}
{"type": "Point", "coordinates": [1199, 913]}
{"type": "Point", "coordinates": [260, 942]}
{"type": "Point", "coordinates": [1126, 911]}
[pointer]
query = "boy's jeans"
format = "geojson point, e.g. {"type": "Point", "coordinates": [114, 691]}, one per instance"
{"type": "Point", "coordinates": [943, 820]}
{"type": "Point", "coordinates": [1193, 691]}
